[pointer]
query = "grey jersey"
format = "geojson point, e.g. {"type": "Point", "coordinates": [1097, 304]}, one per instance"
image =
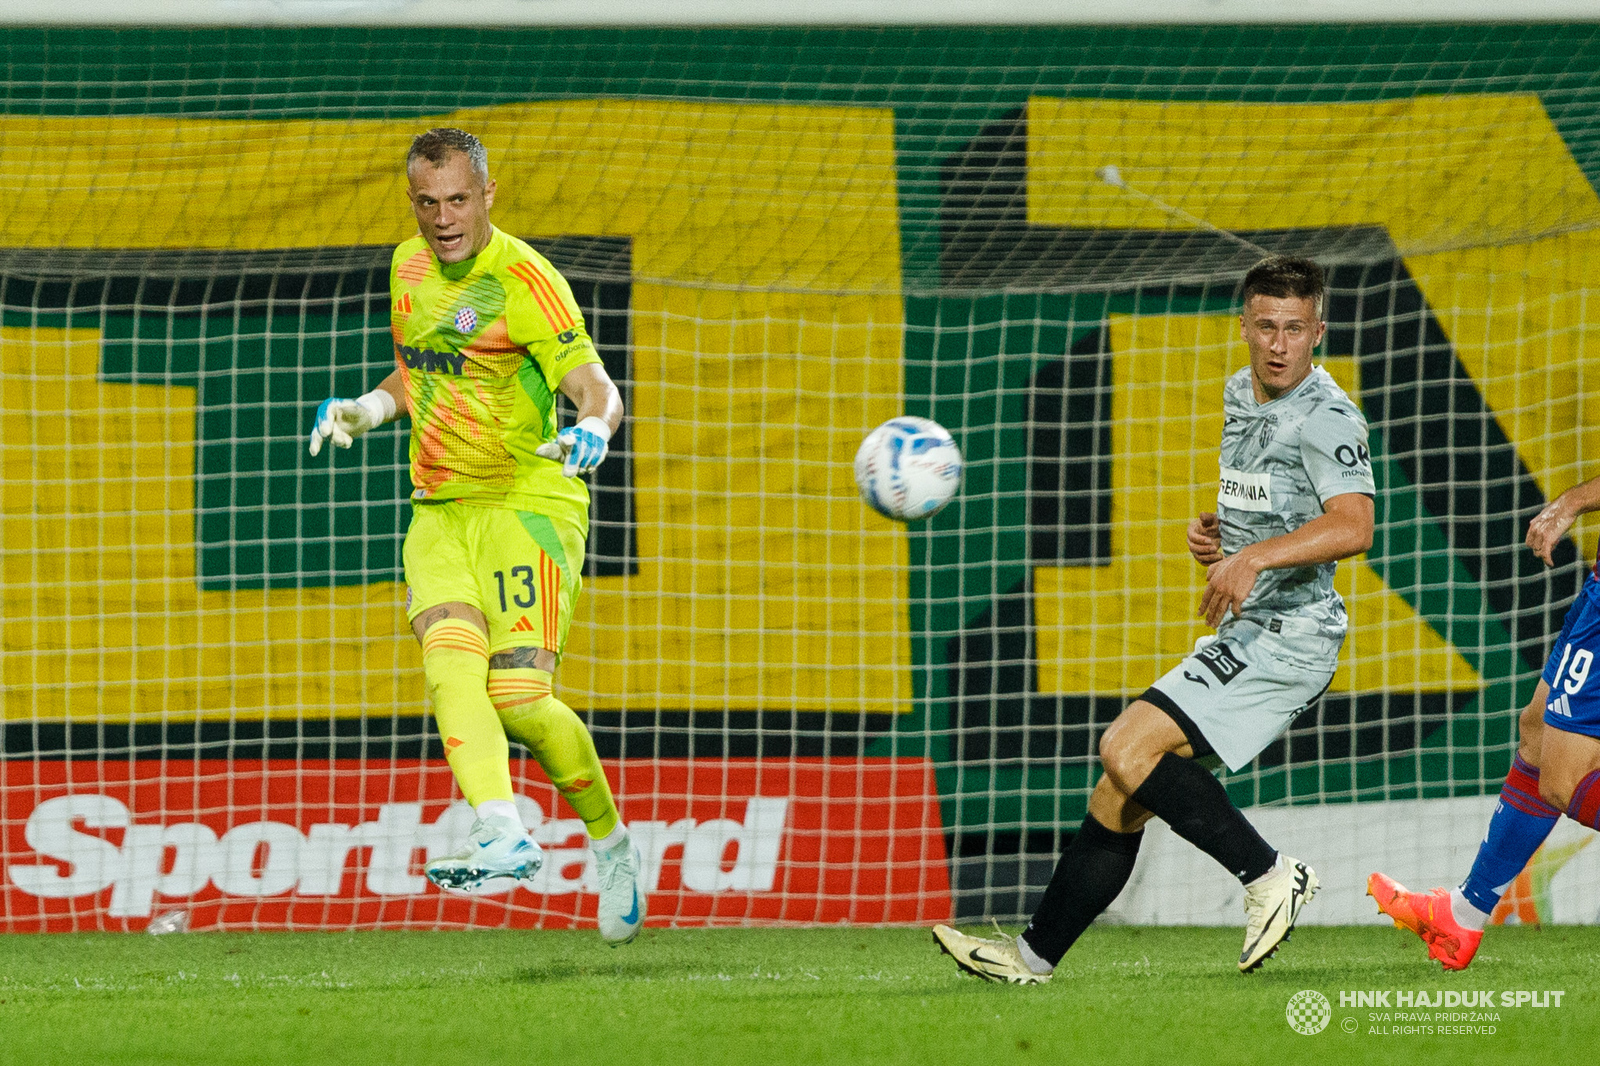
{"type": "Point", "coordinates": [1280, 460]}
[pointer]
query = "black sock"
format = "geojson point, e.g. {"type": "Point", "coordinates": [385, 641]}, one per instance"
{"type": "Point", "coordinates": [1187, 797]}
{"type": "Point", "coordinates": [1088, 877]}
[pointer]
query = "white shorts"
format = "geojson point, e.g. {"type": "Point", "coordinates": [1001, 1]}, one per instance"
{"type": "Point", "coordinates": [1242, 688]}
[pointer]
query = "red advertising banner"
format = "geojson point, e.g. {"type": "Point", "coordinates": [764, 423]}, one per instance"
{"type": "Point", "coordinates": [339, 844]}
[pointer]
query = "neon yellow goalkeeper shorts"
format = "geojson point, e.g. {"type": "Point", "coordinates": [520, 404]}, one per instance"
{"type": "Point", "coordinates": [522, 570]}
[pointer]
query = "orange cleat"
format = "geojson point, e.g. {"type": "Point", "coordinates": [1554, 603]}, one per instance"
{"type": "Point", "coordinates": [1428, 915]}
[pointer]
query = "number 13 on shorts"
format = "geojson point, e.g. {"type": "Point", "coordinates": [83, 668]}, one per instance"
{"type": "Point", "coordinates": [521, 581]}
{"type": "Point", "coordinates": [529, 600]}
{"type": "Point", "coordinates": [501, 562]}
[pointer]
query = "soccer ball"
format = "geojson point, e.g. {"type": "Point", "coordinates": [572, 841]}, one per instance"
{"type": "Point", "coordinates": [908, 468]}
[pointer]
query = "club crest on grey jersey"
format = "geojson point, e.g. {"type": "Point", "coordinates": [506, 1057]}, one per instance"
{"type": "Point", "coordinates": [1278, 462]}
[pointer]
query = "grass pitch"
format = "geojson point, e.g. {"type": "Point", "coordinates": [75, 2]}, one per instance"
{"type": "Point", "coordinates": [757, 997]}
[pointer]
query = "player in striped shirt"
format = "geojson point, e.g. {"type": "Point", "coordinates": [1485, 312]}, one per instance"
{"type": "Point", "coordinates": [486, 332]}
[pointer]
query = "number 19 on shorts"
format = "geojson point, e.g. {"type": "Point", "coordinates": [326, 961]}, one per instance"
{"type": "Point", "coordinates": [1570, 676]}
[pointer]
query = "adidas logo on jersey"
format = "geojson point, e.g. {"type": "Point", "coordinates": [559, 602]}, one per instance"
{"type": "Point", "coordinates": [522, 625]}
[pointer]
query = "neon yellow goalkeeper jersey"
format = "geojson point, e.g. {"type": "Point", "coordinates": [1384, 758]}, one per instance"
{"type": "Point", "coordinates": [483, 346]}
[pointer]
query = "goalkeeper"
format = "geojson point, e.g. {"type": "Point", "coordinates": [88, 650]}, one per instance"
{"type": "Point", "coordinates": [485, 333]}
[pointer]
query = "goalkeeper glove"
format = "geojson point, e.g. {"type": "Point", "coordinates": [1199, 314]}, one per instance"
{"type": "Point", "coordinates": [342, 421]}
{"type": "Point", "coordinates": [580, 448]}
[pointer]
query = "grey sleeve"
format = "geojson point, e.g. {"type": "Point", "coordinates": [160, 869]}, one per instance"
{"type": "Point", "coordinates": [1333, 447]}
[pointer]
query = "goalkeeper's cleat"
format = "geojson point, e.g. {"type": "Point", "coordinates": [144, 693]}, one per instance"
{"type": "Point", "coordinates": [1429, 915]}
{"type": "Point", "coordinates": [1271, 905]}
{"type": "Point", "coordinates": [994, 959]}
{"type": "Point", "coordinates": [497, 847]}
{"type": "Point", "coordinates": [622, 905]}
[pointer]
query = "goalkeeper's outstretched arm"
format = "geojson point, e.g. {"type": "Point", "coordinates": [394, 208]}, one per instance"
{"type": "Point", "coordinates": [342, 421]}
{"type": "Point", "coordinates": [582, 446]}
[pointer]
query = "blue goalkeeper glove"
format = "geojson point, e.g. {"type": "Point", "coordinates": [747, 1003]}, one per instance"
{"type": "Point", "coordinates": [580, 448]}
{"type": "Point", "coordinates": [342, 421]}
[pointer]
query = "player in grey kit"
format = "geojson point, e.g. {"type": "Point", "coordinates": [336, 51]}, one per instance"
{"type": "Point", "coordinates": [1294, 496]}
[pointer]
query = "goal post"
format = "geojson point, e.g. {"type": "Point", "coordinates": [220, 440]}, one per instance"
{"type": "Point", "coordinates": [780, 237]}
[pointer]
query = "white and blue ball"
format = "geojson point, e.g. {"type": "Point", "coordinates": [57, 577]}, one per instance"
{"type": "Point", "coordinates": [908, 468]}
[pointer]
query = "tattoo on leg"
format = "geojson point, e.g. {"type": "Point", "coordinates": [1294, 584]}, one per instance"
{"type": "Point", "coordinates": [433, 615]}
{"type": "Point", "coordinates": [516, 659]}
{"type": "Point", "coordinates": [428, 618]}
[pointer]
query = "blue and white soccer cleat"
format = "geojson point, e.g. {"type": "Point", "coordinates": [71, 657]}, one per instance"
{"type": "Point", "coordinates": [497, 847]}
{"type": "Point", "coordinates": [622, 904]}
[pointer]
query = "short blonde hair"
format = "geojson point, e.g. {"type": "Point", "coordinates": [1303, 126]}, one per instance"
{"type": "Point", "coordinates": [438, 145]}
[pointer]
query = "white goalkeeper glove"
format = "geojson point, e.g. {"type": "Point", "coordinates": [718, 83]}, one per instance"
{"type": "Point", "coordinates": [342, 421]}
{"type": "Point", "coordinates": [580, 448]}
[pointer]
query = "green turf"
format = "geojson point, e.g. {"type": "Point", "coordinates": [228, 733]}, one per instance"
{"type": "Point", "coordinates": [761, 997]}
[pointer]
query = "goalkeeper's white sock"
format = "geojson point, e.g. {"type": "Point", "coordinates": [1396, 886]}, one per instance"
{"type": "Point", "coordinates": [611, 839]}
{"type": "Point", "coordinates": [498, 809]}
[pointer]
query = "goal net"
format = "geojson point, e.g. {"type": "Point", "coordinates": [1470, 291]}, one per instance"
{"type": "Point", "coordinates": [212, 702]}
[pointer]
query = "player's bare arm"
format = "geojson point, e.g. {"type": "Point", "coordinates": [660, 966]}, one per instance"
{"type": "Point", "coordinates": [1552, 523]}
{"type": "Point", "coordinates": [1205, 538]}
{"type": "Point", "coordinates": [582, 446]}
{"type": "Point", "coordinates": [1342, 530]}
{"type": "Point", "coordinates": [594, 394]}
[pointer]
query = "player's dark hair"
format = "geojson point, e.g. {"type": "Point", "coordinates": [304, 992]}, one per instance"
{"type": "Point", "coordinates": [438, 145]}
{"type": "Point", "coordinates": [1287, 276]}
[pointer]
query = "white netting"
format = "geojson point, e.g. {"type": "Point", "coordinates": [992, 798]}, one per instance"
{"type": "Point", "coordinates": [779, 238]}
